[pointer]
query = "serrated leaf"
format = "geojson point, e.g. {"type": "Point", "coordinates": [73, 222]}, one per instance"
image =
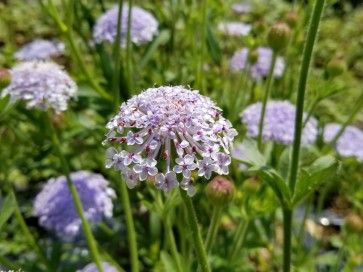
{"type": "Point", "coordinates": [276, 182]}
{"type": "Point", "coordinates": [7, 209]}
{"type": "Point", "coordinates": [313, 176]}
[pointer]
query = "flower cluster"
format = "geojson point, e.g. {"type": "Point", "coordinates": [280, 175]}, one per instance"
{"type": "Point", "coordinates": [92, 267]}
{"type": "Point", "coordinates": [241, 8]}
{"type": "Point", "coordinates": [55, 207]}
{"type": "Point", "coordinates": [279, 123]}
{"type": "Point", "coordinates": [236, 29]}
{"type": "Point", "coordinates": [261, 67]}
{"type": "Point", "coordinates": [350, 144]}
{"type": "Point", "coordinates": [143, 27]}
{"type": "Point", "coordinates": [39, 49]}
{"type": "Point", "coordinates": [42, 84]}
{"type": "Point", "coordinates": [168, 131]}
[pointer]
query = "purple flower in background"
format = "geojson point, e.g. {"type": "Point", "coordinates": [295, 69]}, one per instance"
{"type": "Point", "coordinates": [236, 29]}
{"type": "Point", "coordinates": [350, 144]}
{"type": "Point", "coordinates": [39, 49]}
{"type": "Point", "coordinates": [144, 26]}
{"type": "Point", "coordinates": [92, 267]}
{"type": "Point", "coordinates": [42, 84]}
{"type": "Point", "coordinates": [168, 132]}
{"type": "Point", "coordinates": [279, 123]}
{"type": "Point", "coordinates": [55, 207]}
{"type": "Point", "coordinates": [261, 67]}
{"type": "Point", "coordinates": [241, 8]}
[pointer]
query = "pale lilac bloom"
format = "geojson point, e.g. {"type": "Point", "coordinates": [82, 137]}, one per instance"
{"type": "Point", "coordinates": [349, 144]}
{"type": "Point", "coordinates": [42, 85]}
{"type": "Point", "coordinates": [144, 26]}
{"type": "Point", "coordinates": [55, 207]}
{"type": "Point", "coordinates": [236, 29]}
{"type": "Point", "coordinates": [39, 49]}
{"type": "Point", "coordinates": [222, 162]}
{"type": "Point", "coordinates": [242, 7]}
{"type": "Point", "coordinates": [161, 122]}
{"type": "Point", "coordinates": [92, 267]}
{"type": "Point", "coordinates": [261, 67]}
{"type": "Point", "coordinates": [279, 123]}
{"type": "Point", "coordinates": [187, 185]}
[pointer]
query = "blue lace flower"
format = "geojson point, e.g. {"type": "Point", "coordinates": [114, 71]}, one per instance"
{"type": "Point", "coordinates": [39, 49]}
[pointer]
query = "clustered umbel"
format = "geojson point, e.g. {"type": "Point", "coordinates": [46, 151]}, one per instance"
{"type": "Point", "coordinates": [261, 67]}
{"type": "Point", "coordinates": [349, 144]}
{"type": "Point", "coordinates": [55, 207]}
{"type": "Point", "coordinates": [143, 26]}
{"type": "Point", "coordinates": [237, 29]}
{"type": "Point", "coordinates": [39, 49]}
{"type": "Point", "coordinates": [92, 267]}
{"type": "Point", "coordinates": [168, 132]}
{"type": "Point", "coordinates": [42, 84]}
{"type": "Point", "coordinates": [279, 123]}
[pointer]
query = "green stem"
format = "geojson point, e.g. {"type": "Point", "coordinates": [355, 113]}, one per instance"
{"type": "Point", "coordinates": [304, 70]}
{"type": "Point", "coordinates": [349, 120]}
{"type": "Point", "coordinates": [240, 237]}
{"type": "Point", "coordinates": [200, 67]}
{"type": "Point", "coordinates": [265, 99]}
{"type": "Point", "coordinates": [172, 244]}
{"type": "Point", "coordinates": [130, 227]}
{"type": "Point", "coordinates": [197, 238]}
{"type": "Point", "coordinates": [213, 227]}
{"type": "Point", "coordinates": [129, 50]}
{"type": "Point", "coordinates": [311, 111]}
{"type": "Point", "coordinates": [77, 202]}
{"type": "Point", "coordinates": [28, 235]}
{"type": "Point", "coordinates": [8, 264]}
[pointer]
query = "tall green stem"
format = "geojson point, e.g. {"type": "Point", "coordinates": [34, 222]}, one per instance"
{"type": "Point", "coordinates": [77, 202]}
{"type": "Point", "coordinates": [200, 67]}
{"type": "Point", "coordinates": [213, 227]}
{"type": "Point", "coordinates": [304, 70]}
{"type": "Point", "coordinates": [172, 244]}
{"type": "Point", "coordinates": [28, 235]}
{"type": "Point", "coordinates": [197, 238]}
{"type": "Point", "coordinates": [265, 99]}
{"type": "Point", "coordinates": [130, 227]}
{"type": "Point", "coordinates": [240, 237]}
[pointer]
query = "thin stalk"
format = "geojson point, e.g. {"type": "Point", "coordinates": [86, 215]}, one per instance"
{"type": "Point", "coordinates": [77, 202]}
{"type": "Point", "coordinates": [311, 111]}
{"type": "Point", "coordinates": [8, 264]}
{"type": "Point", "coordinates": [240, 237]}
{"type": "Point", "coordinates": [117, 58]}
{"type": "Point", "coordinates": [304, 70]}
{"type": "Point", "coordinates": [197, 238]}
{"type": "Point", "coordinates": [307, 211]}
{"type": "Point", "coordinates": [203, 27]}
{"type": "Point", "coordinates": [131, 233]}
{"type": "Point", "coordinates": [172, 244]}
{"type": "Point", "coordinates": [130, 82]}
{"type": "Point", "coordinates": [213, 227]}
{"type": "Point", "coordinates": [265, 99]}
{"type": "Point", "coordinates": [349, 120]}
{"type": "Point", "coordinates": [27, 233]}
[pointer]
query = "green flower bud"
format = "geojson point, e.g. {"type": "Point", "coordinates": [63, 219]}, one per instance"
{"type": "Point", "coordinates": [354, 223]}
{"type": "Point", "coordinates": [260, 26]}
{"type": "Point", "coordinates": [220, 191]}
{"type": "Point", "coordinates": [292, 19]}
{"type": "Point", "coordinates": [5, 79]}
{"type": "Point", "coordinates": [252, 56]}
{"type": "Point", "coordinates": [335, 67]}
{"type": "Point", "coordinates": [278, 36]}
{"type": "Point", "coordinates": [251, 185]}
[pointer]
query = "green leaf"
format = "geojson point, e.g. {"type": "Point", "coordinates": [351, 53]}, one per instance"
{"type": "Point", "coordinates": [7, 209]}
{"type": "Point", "coordinates": [284, 163]}
{"type": "Point", "coordinates": [213, 45]}
{"type": "Point", "coordinates": [313, 176]}
{"type": "Point", "coordinates": [161, 39]}
{"type": "Point", "coordinates": [251, 152]}
{"type": "Point", "coordinates": [276, 182]}
{"type": "Point", "coordinates": [168, 262]}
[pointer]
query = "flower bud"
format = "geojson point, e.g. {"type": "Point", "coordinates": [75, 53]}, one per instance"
{"type": "Point", "coordinates": [253, 56]}
{"type": "Point", "coordinates": [335, 67]}
{"type": "Point", "coordinates": [292, 19]}
{"type": "Point", "coordinates": [278, 36]}
{"type": "Point", "coordinates": [354, 223]}
{"type": "Point", "coordinates": [5, 79]}
{"type": "Point", "coordinates": [251, 185]}
{"type": "Point", "coordinates": [220, 191]}
{"type": "Point", "coordinates": [260, 26]}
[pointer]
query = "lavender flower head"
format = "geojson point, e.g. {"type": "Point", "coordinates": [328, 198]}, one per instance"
{"type": "Point", "coordinates": [92, 267]}
{"type": "Point", "coordinates": [168, 132]}
{"type": "Point", "coordinates": [42, 84]}
{"type": "Point", "coordinates": [39, 49]}
{"type": "Point", "coordinates": [144, 26]}
{"type": "Point", "coordinates": [55, 208]}
{"type": "Point", "coordinates": [241, 8]}
{"type": "Point", "coordinates": [350, 144]}
{"type": "Point", "coordinates": [261, 67]}
{"type": "Point", "coordinates": [279, 123]}
{"type": "Point", "coordinates": [236, 29]}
